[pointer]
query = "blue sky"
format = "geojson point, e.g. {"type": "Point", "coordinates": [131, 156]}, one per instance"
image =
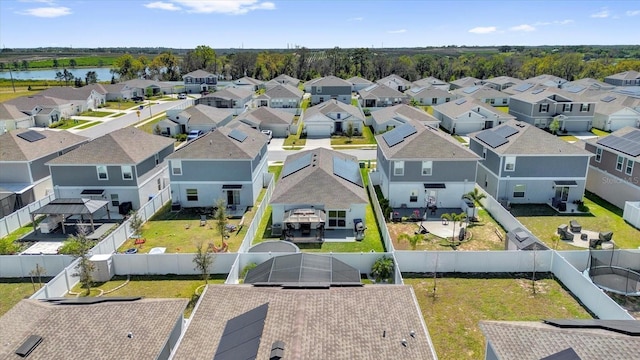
{"type": "Point", "coordinates": [315, 24]}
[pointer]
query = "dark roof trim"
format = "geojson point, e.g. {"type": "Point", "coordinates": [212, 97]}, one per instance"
{"type": "Point", "coordinates": [435, 186]}
{"type": "Point", "coordinates": [232, 186]}
{"type": "Point", "coordinates": [570, 183]}
{"type": "Point", "coordinates": [92, 192]}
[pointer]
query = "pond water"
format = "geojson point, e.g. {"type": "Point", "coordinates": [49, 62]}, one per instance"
{"type": "Point", "coordinates": [103, 73]}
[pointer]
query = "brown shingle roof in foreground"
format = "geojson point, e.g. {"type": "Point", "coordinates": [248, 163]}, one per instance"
{"type": "Point", "coordinates": [337, 323]}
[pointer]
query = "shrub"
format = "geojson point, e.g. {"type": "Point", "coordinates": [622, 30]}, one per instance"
{"type": "Point", "coordinates": [181, 137]}
{"type": "Point", "coordinates": [382, 269]}
{"type": "Point", "coordinates": [57, 124]}
{"type": "Point", "coordinates": [246, 269]}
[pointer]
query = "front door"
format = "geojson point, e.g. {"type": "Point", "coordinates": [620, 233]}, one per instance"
{"type": "Point", "coordinates": [338, 126]}
{"type": "Point", "coordinates": [233, 197]}
{"type": "Point", "coordinates": [432, 198]}
{"type": "Point", "coordinates": [562, 192]}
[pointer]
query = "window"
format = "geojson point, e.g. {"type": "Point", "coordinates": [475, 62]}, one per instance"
{"type": "Point", "coordinates": [337, 218]}
{"type": "Point", "coordinates": [159, 184]}
{"type": "Point", "coordinates": [176, 167]}
{"type": "Point", "coordinates": [157, 158]}
{"type": "Point", "coordinates": [619, 163]}
{"type": "Point", "coordinates": [504, 101]}
{"type": "Point", "coordinates": [434, 101]}
{"type": "Point", "coordinates": [598, 154]}
{"type": "Point", "coordinates": [318, 89]}
{"type": "Point", "coordinates": [567, 107]}
{"type": "Point", "coordinates": [518, 191]}
{"type": "Point", "coordinates": [102, 172]}
{"type": "Point", "coordinates": [543, 108]}
{"type": "Point", "coordinates": [629, 169]}
{"type": "Point", "coordinates": [484, 153]}
{"type": "Point", "coordinates": [492, 101]}
{"type": "Point", "coordinates": [127, 172]}
{"type": "Point", "coordinates": [192, 194]}
{"type": "Point", "coordinates": [414, 196]}
{"type": "Point", "coordinates": [585, 107]}
{"type": "Point", "coordinates": [398, 168]}
{"type": "Point", "coordinates": [510, 163]}
{"type": "Point", "coordinates": [427, 167]}
{"type": "Point", "coordinates": [115, 201]}
{"type": "Point", "coordinates": [447, 99]}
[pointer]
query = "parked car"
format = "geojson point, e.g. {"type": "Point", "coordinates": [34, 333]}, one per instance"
{"type": "Point", "coordinates": [182, 96]}
{"type": "Point", "coordinates": [137, 98]}
{"type": "Point", "coordinates": [194, 134]}
{"type": "Point", "coordinates": [268, 133]}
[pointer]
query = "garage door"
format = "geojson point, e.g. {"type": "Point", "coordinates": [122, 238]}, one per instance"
{"type": "Point", "coordinates": [317, 131]}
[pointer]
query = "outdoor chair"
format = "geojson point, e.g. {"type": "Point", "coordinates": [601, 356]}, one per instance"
{"type": "Point", "coordinates": [575, 226]}
{"type": "Point", "coordinates": [605, 235]}
{"type": "Point", "coordinates": [564, 233]}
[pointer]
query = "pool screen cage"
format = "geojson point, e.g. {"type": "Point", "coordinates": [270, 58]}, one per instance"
{"type": "Point", "coordinates": [615, 270]}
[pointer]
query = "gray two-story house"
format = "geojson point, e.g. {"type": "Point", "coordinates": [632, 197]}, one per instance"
{"type": "Point", "coordinates": [199, 81]}
{"type": "Point", "coordinates": [421, 166]}
{"type": "Point", "coordinates": [540, 106]}
{"type": "Point", "coordinates": [229, 163]}
{"type": "Point", "coordinates": [328, 87]}
{"type": "Point", "coordinates": [625, 78]}
{"type": "Point", "coordinates": [126, 165]}
{"type": "Point", "coordinates": [281, 96]}
{"type": "Point", "coordinates": [228, 98]}
{"type": "Point", "coordinates": [614, 170]}
{"type": "Point", "coordinates": [526, 165]}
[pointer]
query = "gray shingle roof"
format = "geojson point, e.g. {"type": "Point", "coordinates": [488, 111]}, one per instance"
{"type": "Point", "coordinates": [282, 91]}
{"type": "Point", "coordinates": [536, 340]}
{"type": "Point", "coordinates": [619, 102]}
{"type": "Point", "coordinates": [11, 112]}
{"type": "Point", "coordinates": [334, 106]}
{"type": "Point", "coordinates": [248, 80]}
{"type": "Point", "coordinates": [96, 331]}
{"type": "Point", "coordinates": [217, 145]}
{"type": "Point", "coordinates": [619, 133]}
{"type": "Point", "coordinates": [124, 146]}
{"type": "Point", "coordinates": [428, 92]}
{"type": "Point", "coordinates": [395, 79]}
{"type": "Point", "coordinates": [28, 103]}
{"type": "Point", "coordinates": [331, 81]}
{"type": "Point", "coordinates": [428, 144]}
{"type": "Point", "coordinates": [401, 113]}
{"type": "Point", "coordinates": [466, 81]}
{"type": "Point", "coordinates": [283, 78]}
{"type": "Point", "coordinates": [482, 92]}
{"type": "Point", "coordinates": [335, 323]}
{"type": "Point", "coordinates": [68, 93]}
{"type": "Point", "coordinates": [359, 80]}
{"type": "Point", "coordinates": [233, 93]}
{"type": "Point", "coordinates": [14, 148]}
{"type": "Point", "coordinates": [206, 115]}
{"type": "Point", "coordinates": [428, 81]}
{"type": "Point", "coordinates": [453, 109]}
{"type": "Point", "coordinates": [198, 74]}
{"type": "Point", "coordinates": [378, 91]}
{"type": "Point", "coordinates": [501, 80]}
{"type": "Point", "coordinates": [317, 184]}
{"type": "Point", "coordinates": [625, 75]}
{"type": "Point", "coordinates": [547, 80]}
{"type": "Point", "coordinates": [266, 115]}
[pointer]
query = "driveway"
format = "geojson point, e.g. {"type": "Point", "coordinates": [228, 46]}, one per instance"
{"type": "Point", "coordinates": [317, 143]}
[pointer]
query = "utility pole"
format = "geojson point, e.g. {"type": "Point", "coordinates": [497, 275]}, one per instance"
{"type": "Point", "coordinates": [12, 84]}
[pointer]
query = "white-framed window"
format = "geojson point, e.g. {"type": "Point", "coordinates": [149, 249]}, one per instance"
{"type": "Point", "coordinates": [518, 191]}
{"type": "Point", "coordinates": [427, 168]}
{"type": "Point", "coordinates": [102, 172]}
{"type": "Point", "coordinates": [619, 163]}
{"type": "Point", "coordinates": [337, 218]}
{"type": "Point", "coordinates": [585, 107]}
{"type": "Point", "coordinates": [598, 154]}
{"type": "Point", "coordinates": [156, 157]}
{"type": "Point", "coordinates": [192, 194]}
{"type": "Point", "coordinates": [398, 168]}
{"type": "Point", "coordinates": [504, 101]}
{"type": "Point", "coordinates": [127, 172]}
{"type": "Point", "coordinates": [434, 101]}
{"type": "Point", "coordinates": [543, 108]}
{"type": "Point", "coordinates": [319, 89]}
{"type": "Point", "coordinates": [567, 107]}
{"type": "Point", "coordinates": [629, 169]}
{"type": "Point", "coordinates": [176, 167]}
{"type": "Point", "coordinates": [510, 163]}
{"type": "Point", "coordinates": [115, 200]}
{"type": "Point", "coordinates": [492, 101]}
{"type": "Point", "coordinates": [414, 196]}
{"type": "Point", "coordinates": [484, 153]}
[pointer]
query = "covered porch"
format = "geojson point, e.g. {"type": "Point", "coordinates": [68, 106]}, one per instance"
{"type": "Point", "coordinates": [63, 208]}
{"type": "Point", "coordinates": [304, 226]}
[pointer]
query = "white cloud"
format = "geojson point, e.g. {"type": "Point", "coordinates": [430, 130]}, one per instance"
{"type": "Point", "coordinates": [523, 27]}
{"type": "Point", "coordinates": [37, 1]}
{"type": "Point", "coordinates": [564, 22]}
{"type": "Point", "coordinates": [633, 12]}
{"type": "Point", "coordinates": [603, 13]}
{"type": "Point", "coordinates": [162, 6]}
{"type": "Point", "coordinates": [483, 30]}
{"type": "Point", "coordinates": [359, 18]}
{"type": "Point", "coordinates": [47, 12]}
{"type": "Point", "coordinates": [555, 22]}
{"type": "Point", "coordinates": [235, 7]}
{"type": "Point", "coordinates": [399, 31]}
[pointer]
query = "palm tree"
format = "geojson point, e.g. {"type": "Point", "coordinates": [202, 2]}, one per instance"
{"type": "Point", "coordinates": [475, 195]}
{"type": "Point", "coordinates": [454, 218]}
{"type": "Point", "coordinates": [412, 239]}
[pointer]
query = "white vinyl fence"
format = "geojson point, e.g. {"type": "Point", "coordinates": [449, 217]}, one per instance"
{"type": "Point", "coordinates": [502, 215]}
{"type": "Point", "coordinates": [16, 266]}
{"type": "Point", "coordinates": [380, 218]}
{"type": "Point", "coordinates": [255, 224]}
{"type": "Point", "coordinates": [168, 264]}
{"type": "Point", "coordinates": [22, 217]}
{"type": "Point", "coordinates": [474, 261]}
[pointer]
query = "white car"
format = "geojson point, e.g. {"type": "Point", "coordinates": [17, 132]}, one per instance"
{"type": "Point", "coordinates": [268, 133]}
{"type": "Point", "coordinates": [182, 96]}
{"type": "Point", "coordinates": [194, 134]}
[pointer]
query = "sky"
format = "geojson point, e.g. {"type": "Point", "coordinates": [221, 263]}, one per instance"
{"type": "Point", "coordinates": [279, 24]}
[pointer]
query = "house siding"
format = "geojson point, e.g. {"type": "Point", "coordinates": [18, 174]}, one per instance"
{"type": "Point", "coordinates": [609, 161]}
{"type": "Point", "coordinates": [354, 211]}
{"type": "Point", "coordinates": [537, 191]}
{"type": "Point", "coordinates": [613, 189]}
{"type": "Point", "coordinates": [548, 166]}
{"type": "Point", "coordinates": [442, 171]}
{"type": "Point", "coordinates": [487, 180]}
{"type": "Point", "coordinates": [210, 170]}
{"type": "Point", "coordinates": [87, 176]}
{"type": "Point", "coordinates": [15, 172]}
{"type": "Point", "coordinates": [449, 197]}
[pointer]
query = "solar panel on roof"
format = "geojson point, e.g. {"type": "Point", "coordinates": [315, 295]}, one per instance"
{"type": "Point", "coordinates": [370, 87]}
{"type": "Point", "coordinates": [505, 131]}
{"type": "Point", "coordinates": [471, 89]}
{"type": "Point", "coordinates": [296, 165]}
{"type": "Point", "coordinates": [237, 135]}
{"type": "Point", "coordinates": [31, 136]}
{"type": "Point", "coordinates": [461, 101]}
{"type": "Point", "coordinates": [624, 145]}
{"type": "Point", "coordinates": [632, 135]}
{"type": "Point", "coordinates": [406, 130]}
{"type": "Point", "coordinates": [537, 91]}
{"type": "Point", "coordinates": [608, 99]}
{"type": "Point", "coordinates": [575, 89]}
{"type": "Point", "coordinates": [241, 336]}
{"type": "Point", "coordinates": [523, 87]}
{"type": "Point", "coordinates": [492, 139]}
{"type": "Point", "coordinates": [348, 170]}
{"type": "Point", "coordinates": [397, 135]}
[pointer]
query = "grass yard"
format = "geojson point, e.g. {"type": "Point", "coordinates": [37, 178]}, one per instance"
{"type": "Point", "coordinates": [460, 139]}
{"type": "Point", "coordinates": [149, 127]}
{"type": "Point", "coordinates": [428, 109]}
{"type": "Point", "coordinates": [122, 105]}
{"type": "Point", "coordinates": [543, 221]}
{"type": "Point", "coordinates": [12, 291]}
{"type": "Point", "coordinates": [599, 132]}
{"type": "Point", "coordinates": [366, 138]}
{"type": "Point", "coordinates": [568, 138]}
{"type": "Point", "coordinates": [118, 114]}
{"type": "Point", "coordinates": [68, 124]}
{"type": "Point", "coordinates": [453, 315]}
{"type": "Point", "coordinates": [8, 94]}
{"type": "Point", "coordinates": [86, 126]}
{"type": "Point", "coordinates": [294, 141]}
{"type": "Point", "coordinates": [93, 113]}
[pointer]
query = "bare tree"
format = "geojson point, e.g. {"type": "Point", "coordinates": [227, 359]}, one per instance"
{"type": "Point", "coordinates": [220, 217]}
{"type": "Point", "coordinates": [79, 247]}
{"type": "Point", "coordinates": [37, 272]}
{"type": "Point", "coordinates": [203, 259]}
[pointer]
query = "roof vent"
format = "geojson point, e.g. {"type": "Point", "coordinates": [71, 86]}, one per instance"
{"type": "Point", "coordinates": [130, 335]}
{"type": "Point", "coordinates": [277, 350]}
{"type": "Point", "coordinates": [412, 333]}
{"type": "Point", "coordinates": [404, 342]}
{"type": "Point", "coordinates": [29, 345]}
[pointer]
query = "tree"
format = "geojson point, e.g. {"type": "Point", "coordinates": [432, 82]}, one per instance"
{"type": "Point", "coordinates": [56, 63]}
{"type": "Point", "coordinates": [382, 269]}
{"type": "Point", "coordinates": [77, 82]}
{"type": "Point", "coordinates": [37, 272]}
{"type": "Point", "coordinates": [165, 67]}
{"type": "Point", "coordinates": [91, 77]}
{"type": "Point", "coordinates": [65, 76]}
{"type": "Point", "coordinates": [73, 63]}
{"type": "Point", "coordinates": [79, 247]}
{"type": "Point", "coordinates": [475, 195]}
{"type": "Point", "coordinates": [202, 57]}
{"type": "Point", "coordinates": [135, 224]}
{"type": "Point", "coordinates": [203, 259]}
{"type": "Point", "coordinates": [454, 218]}
{"type": "Point", "coordinates": [25, 65]}
{"type": "Point", "coordinates": [554, 126]}
{"type": "Point", "coordinates": [413, 102]}
{"type": "Point", "coordinates": [412, 239]}
{"type": "Point", "coordinates": [349, 132]}
{"type": "Point", "coordinates": [220, 217]}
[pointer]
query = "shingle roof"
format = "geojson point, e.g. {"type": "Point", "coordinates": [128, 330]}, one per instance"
{"type": "Point", "coordinates": [547, 80]}
{"type": "Point", "coordinates": [378, 91]}
{"type": "Point", "coordinates": [206, 115]}
{"type": "Point", "coordinates": [11, 112]}
{"type": "Point", "coordinates": [248, 80]}
{"type": "Point", "coordinates": [428, 144]}
{"type": "Point", "coordinates": [501, 80]}
{"type": "Point", "coordinates": [282, 91]}
{"type": "Point", "coordinates": [233, 93]}
{"type": "Point", "coordinates": [625, 130]}
{"type": "Point", "coordinates": [218, 145]}
{"type": "Point", "coordinates": [401, 113]}
{"type": "Point", "coordinates": [198, 74]}
{"type": "Point", "coordinates": [268, 116]}
{"type": "Point", "coordinates": [68, 93]}
{"type": "Point", "coordinates": [96, 331]}
{"type": "Point", "coordinates": [124, 146]}
{"type": "Point", "coordinates": [453, 109]}
{"type": "Point", "coordinates": [333, 106]}
{"type": "Point", "coordinates": [331, 81]}
{"type": "Point", "coordinates": [615, 103]}
{"type": "Point", "coordinates": [317, 183]}
{"type": "Point", "coordinates": [529, 140]}
{"type": "Point", "coordinates": [359, 80]}
{"type": "Point", "coordinates": [428, 92]}
{"type": "Point", "coordinates": [536, 340]}
{"type": "Point", "coordinates": [480, 92]}
{"type": "Point", "coordinates": [283, 78]}
{"type": "Point", "coordinates": [314, 324]}
{"type": "Point", "coordinates": [393, 78]}
{"type": "Point", "coordinates": [428, 81]}
{"type": "Point", "coordinates": [466, 81]}
{"type": "Point", "coordinates": [14, 148]}
{"type": "Point", "coordinates": [625, 75]}
{"type": "Point", "coordinates": [28, 103]}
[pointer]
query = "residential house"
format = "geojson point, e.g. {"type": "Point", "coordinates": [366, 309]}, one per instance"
{"type": "Point", "coordinates": [86, 97]}
{"type": "Point", "coordinates": [542, 105]}
{"type": "Point", "coordinates": [547, 80]}
{"type": "Point", "coordinates": [126, 165]}
{"type": "Point", "coordinates": [421, 166]}
{"type": "Point", "coordinates": [331, 117]}
{"type": "Point", "coordinates": [248, 82]}
{"type": "Point", "coordinates": [395, 82]}
{"type": "Point", "coordinates": [524, 164]}
{"type": "Point", "coordinates": [142, 87]}
{"type": "Point", "coordinates": [200, 117]}
{"type": "Point", "coordinates": [45, 110]}
{"type": "Point", "coordinates": [485, 94]}
{"type": "Point", "coordinates": [589, 84]}
{"type": "Point", "coordinates": [283, 79]}
{"type": "Point", "coordinates": [199, 81]}
{"type": "Point", "coordinates": [429, 96]}
{"type": "Point", "coordinates": [465, 82]}
{"type": "Point", "coordinates": [614, 171]}
{"type": "Point", "coordinates": [281, 96]}
{"type": "Point", "coordinates": [328, 87]}
{"type": "Point", "coordinates": [501, 82]}
{"type": "Point", "coordinates": [263, 118]}
{"type": "Point", "coordinates": [523, 87]}
{"type": "Point", "coordinates": [228, 98]}
{"type": "Point", "coordinates": [466, 115]}
{"type": "Point", "coordinates": [324, 180]}
{"type": "Point", "coordinates": [394, 116]}
{"type": "Point", "coordinates": [615, 111]}
{"type": "Point", "coordinates": [432, 82]}
{"type": "Point", "coordinates": [358, 83]}
{"type": "Point", "coordinates": [118, 91]}
{"type": "Point", "coordinates": [24, 177]}
{"type": "Point", "coordinates": [625, 78]}
{"type": "Point", "coordinates": [229, 163]}
{"type": "Point", "coordinates": [378, 96]}
{"type": "Point", "coordinates": [11, 118]}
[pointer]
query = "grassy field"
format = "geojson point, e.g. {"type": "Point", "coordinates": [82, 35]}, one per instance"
{"type": "Point", "coordinates": [453, 315]}
{"type": "Point", "coordinates": [543, 221]}
{"type": "Point", "coordinates": [120, 105]}
{"type": "Point", "coordinates": [68, 124]}
{"type": "Point", "coordinates": [12, 291]}
{"type": "Point", "coordinates": [294, 140]}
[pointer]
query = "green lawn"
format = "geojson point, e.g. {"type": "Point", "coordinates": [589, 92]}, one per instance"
{"type": "Point", "coordinates": [504, 109]}
{"type": "Point", "coordinates": [354, 102]}
{"type": "Point", "coordinates": [8, 244]}
{"type": "Point", "coordinates": [68, 124]}
{"type": "Point", "coordinates": [122, 105]}
{"type": "Point", "coordinates": [118, 114]}
{"type": "Point", "coordinates": [453, 315]}
{"type": "Point", "coordinates": [459, 138]}
{"type": "Point", "coordinates": [367, 138]}
{"type": "Point", "coordinates": [96, 113]}
{"type": "Point", "coordinates": [149, 127]}
{"type": "Point", "coordinates": [12, 291]}
{"type": "Point", "coordinates": [428, 109]}
{"type": "Point", "coordinates": [598, 132]}
{"type": "Point", "coordinates": [305, 103]}
{"type": "Point", "coordinates": [568, 138]}
{"type": "Point", "coordinates": [294, 141]}
{"type": "Point", "coordinates": [543, 221]}
{"type": "Point", "coordinates": [8, 94]}
{"type": "Point", "coordinates": [89, 125]}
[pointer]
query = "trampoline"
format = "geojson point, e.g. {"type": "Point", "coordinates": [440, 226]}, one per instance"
{"type": "Point", "coordinates": [612, 270]}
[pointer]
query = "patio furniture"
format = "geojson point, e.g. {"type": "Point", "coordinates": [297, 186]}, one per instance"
{"type": "Point", "coordinates": [203, 220]}
{"type": "Point", "coordinates": [564, 232]}
{"type": "Point", "coordinates": [605, 235]}
{"type": "Point", "coordinates": [584, 237]}
{"type": "Point", "coordinates": [575, 226]}
{"type": "Point", "coordinates": [140, 241]}
{"type": "Point", "coordinates": [595, 243]}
